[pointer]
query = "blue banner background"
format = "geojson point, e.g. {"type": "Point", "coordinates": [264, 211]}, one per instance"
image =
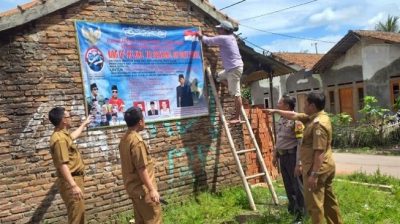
{"type": "Point", "coordinates": [144, 64]}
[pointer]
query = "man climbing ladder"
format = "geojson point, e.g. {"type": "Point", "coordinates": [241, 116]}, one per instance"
{"type": "Point", "coordinates": [231, 60]}
{"type": "Point", "coordinates": [236, 153]}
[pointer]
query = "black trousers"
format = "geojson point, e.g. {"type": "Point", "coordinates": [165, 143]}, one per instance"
{"type": "Point", "coordinates": [291, 183]}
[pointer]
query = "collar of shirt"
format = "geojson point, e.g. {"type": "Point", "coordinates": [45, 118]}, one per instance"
{"type": "Point", "coordinates": [313, 116]}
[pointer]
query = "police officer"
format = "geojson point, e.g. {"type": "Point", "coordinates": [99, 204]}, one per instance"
{"type": "Point", "coordinates": [288, 142]}
{"type": "Point", "coordinates": [316, 157]}
{"type": "Point", "coordinates": [68, 163]}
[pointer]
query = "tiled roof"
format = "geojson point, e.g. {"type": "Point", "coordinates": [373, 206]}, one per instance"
{"type": "Point", "coordinates": [20, 8]}
{"type": "Point", "coordinates": [351, 38]}
{"type": "Point", "coordinates": [304, 60]}
{"type": "Point", "coordinates": [385, 36]}
{"type": "Point", "coordinates": [39, 8]}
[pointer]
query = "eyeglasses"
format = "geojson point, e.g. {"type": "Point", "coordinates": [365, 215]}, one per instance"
{"type": "Point", "coordinates": [115, 91]}
{"type": "Point", "coordinates": [95, 89]}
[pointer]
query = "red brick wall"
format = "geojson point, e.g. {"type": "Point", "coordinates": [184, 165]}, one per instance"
{"type": "Point", "coordinates": [259, 121]}
{"type": "Point", "coordinates": [39, 69]}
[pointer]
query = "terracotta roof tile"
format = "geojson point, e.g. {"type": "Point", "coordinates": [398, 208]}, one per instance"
{"type": "Point", "coordinates": [24, 7]}
{"type": "Point", "coordinates": [304, 60]}
{"type": "Point", "coordinates": [386, 36]}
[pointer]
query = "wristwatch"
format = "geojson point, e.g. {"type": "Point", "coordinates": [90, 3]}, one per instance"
{"type": "Point", "coordinates": [314, 174]}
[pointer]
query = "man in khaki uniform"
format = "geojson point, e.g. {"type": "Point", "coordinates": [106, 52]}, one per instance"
{"type": "Point", "coordinates": [68, 163]}
{"type": "Point", "coordinates": [316, 157]}
{"type": "Point", "coordinates": [138, 170]}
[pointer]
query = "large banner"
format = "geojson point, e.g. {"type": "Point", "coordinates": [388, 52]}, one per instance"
{"type": "Point", "coordinates": [156, 68]}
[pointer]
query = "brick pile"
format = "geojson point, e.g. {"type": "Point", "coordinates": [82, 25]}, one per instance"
{"type": "Point", "coordinates": [261, 125]}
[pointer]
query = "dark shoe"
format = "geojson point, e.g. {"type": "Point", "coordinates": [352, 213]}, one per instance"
{"type": "Point", "coordinates": [291, 210]}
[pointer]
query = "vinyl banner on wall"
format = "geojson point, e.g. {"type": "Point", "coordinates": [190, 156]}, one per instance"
{"type": "Point", "coordinates": [156, 68]}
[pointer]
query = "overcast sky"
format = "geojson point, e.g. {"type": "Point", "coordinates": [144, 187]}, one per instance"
{"type": "Point", "coordinates": [326, 20]}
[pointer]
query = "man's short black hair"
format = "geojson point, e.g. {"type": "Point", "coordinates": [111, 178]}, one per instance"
{"type": "Point", "coordinates": [56, 115]}
{"type": "Point", "coordinates": [92, 86]}
{"type": "Point", "coordinates": [316, 98]}
{"type": "Point", "coordinates": [181, 76]}
{"type": "Point", "coordinates": [152, 103]}
{"type": "Point", "coordinates": [289, 100]}
{"type": "Point", "coordinates": [114, 87]}
{"type": "Point", "coordinates": [132, 116]}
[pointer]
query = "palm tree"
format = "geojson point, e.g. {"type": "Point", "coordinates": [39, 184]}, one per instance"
{"type": "Point", "coordinates": [390, 25]}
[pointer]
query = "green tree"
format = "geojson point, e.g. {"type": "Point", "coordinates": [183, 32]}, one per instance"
{"type": "Point", "coordinates": [390, 25]}
{"type": "Point", "coordinates": [246, 93]}
{"type": "Point", "coordinates": [396, 104]}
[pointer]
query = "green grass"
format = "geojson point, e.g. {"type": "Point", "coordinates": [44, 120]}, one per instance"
{"type": "Point", "coordinates": [376, 178]}
{"type": "Point", "coordinates": [358, 204]}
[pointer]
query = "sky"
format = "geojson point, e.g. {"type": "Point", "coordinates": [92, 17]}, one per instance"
{"type": "Point", "coordinates": [324, 21]}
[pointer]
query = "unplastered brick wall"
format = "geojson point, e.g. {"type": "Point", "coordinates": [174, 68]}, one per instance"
{"type": "Point", "coordinates": [40, 69]}
{"type": "Point", "coordinates": [261, 124]}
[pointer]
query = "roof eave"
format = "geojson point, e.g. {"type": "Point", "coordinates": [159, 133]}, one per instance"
{"type": "Point", "coordinates": [335, 52]}
{"type": "Point", "coordinates": [213, 12]}
{"type": "Point", "coordinates": [35, 12]}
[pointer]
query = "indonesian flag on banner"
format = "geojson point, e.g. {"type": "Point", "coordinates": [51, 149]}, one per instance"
{"type": "Point", "coordinates": [190, 35]}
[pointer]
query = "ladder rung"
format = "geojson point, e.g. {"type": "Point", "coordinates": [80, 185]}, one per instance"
{"type": "Point", "coordinates": [255, 175]}
{"type": "Point", "coordinates": [245, 150]}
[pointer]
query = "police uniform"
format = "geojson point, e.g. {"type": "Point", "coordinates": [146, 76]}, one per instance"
{"type": "Point", "coordinates": [135, 155]}
{"type": "Point", "coordinates": [289, 133]}
{"type": "Point", "coordinates": [64, 151]}
{"type": "Point", "coordinates": [318, 136]}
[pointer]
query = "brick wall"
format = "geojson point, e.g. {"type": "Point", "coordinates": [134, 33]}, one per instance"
{"type": "Point", "coordinates": [261, 125]}
{"type": "Point", "coordinates": [40, 69]}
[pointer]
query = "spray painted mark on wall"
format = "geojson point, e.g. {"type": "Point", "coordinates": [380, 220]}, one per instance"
{"type": "Point", "coordinates": [198, 155]}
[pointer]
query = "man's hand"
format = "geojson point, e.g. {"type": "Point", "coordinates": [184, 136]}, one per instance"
{"type": "Point", "coordinates": [155, 196]}
{"type": "Point", "coordinates": [270, 111]}
{"type": "Point", "coordinates": [199, 34]}
{"type": "Point", "coordinates": [88, 120]}
{"type": "Point", "coordinates": [312, 183]}
{"type": "Point", "coordinates": [76, 192]}
{"type": "Point", "coordinates": [298, 170]}
{"type": "Point", "coordinates": [274, 160]}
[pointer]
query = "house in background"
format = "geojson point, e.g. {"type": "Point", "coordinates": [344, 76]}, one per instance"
{"type": "Point", "coordinates": [297, 83]}
{"type": "Point", "coordinates": [362, 63]}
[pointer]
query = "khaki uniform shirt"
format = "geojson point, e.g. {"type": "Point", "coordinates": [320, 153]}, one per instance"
{"type": "Point", "coordinates": [64, 151]}
{"type": "Point", "coordinates": [317, 136]}
{"type": "Point", "coordinates": [135, 155]}
{"type": "Point", "coordinates": [288, 133]}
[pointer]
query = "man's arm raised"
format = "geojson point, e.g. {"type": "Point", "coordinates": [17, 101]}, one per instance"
{"type": "Point", "coordinates": [291, 115]}
{"type": "Point", "coordinates": [75, 134]}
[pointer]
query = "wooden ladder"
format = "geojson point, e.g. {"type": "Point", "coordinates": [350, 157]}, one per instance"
{"type": "Point", "coordinates": [236, 153]}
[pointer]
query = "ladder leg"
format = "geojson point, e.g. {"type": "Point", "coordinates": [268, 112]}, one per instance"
{"type": "Point", "coordinates": [231, 143]}
{"type": "Point", "coordinates": [260, 158]}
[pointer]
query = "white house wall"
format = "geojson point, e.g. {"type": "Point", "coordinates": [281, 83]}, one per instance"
{"type": "Point", "coordinates": [381, 62]}
{"type": "Point", "coordinates": [351, 58]}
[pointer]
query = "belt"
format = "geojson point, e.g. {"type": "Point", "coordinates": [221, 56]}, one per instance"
{"type": "Point", "coordinates": [77, 173]}
{"type": "Point", "coordinates": [283, 152]}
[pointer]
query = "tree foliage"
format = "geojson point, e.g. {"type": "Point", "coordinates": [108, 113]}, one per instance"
{"type": "Point", "coordinates": [390, 25]}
